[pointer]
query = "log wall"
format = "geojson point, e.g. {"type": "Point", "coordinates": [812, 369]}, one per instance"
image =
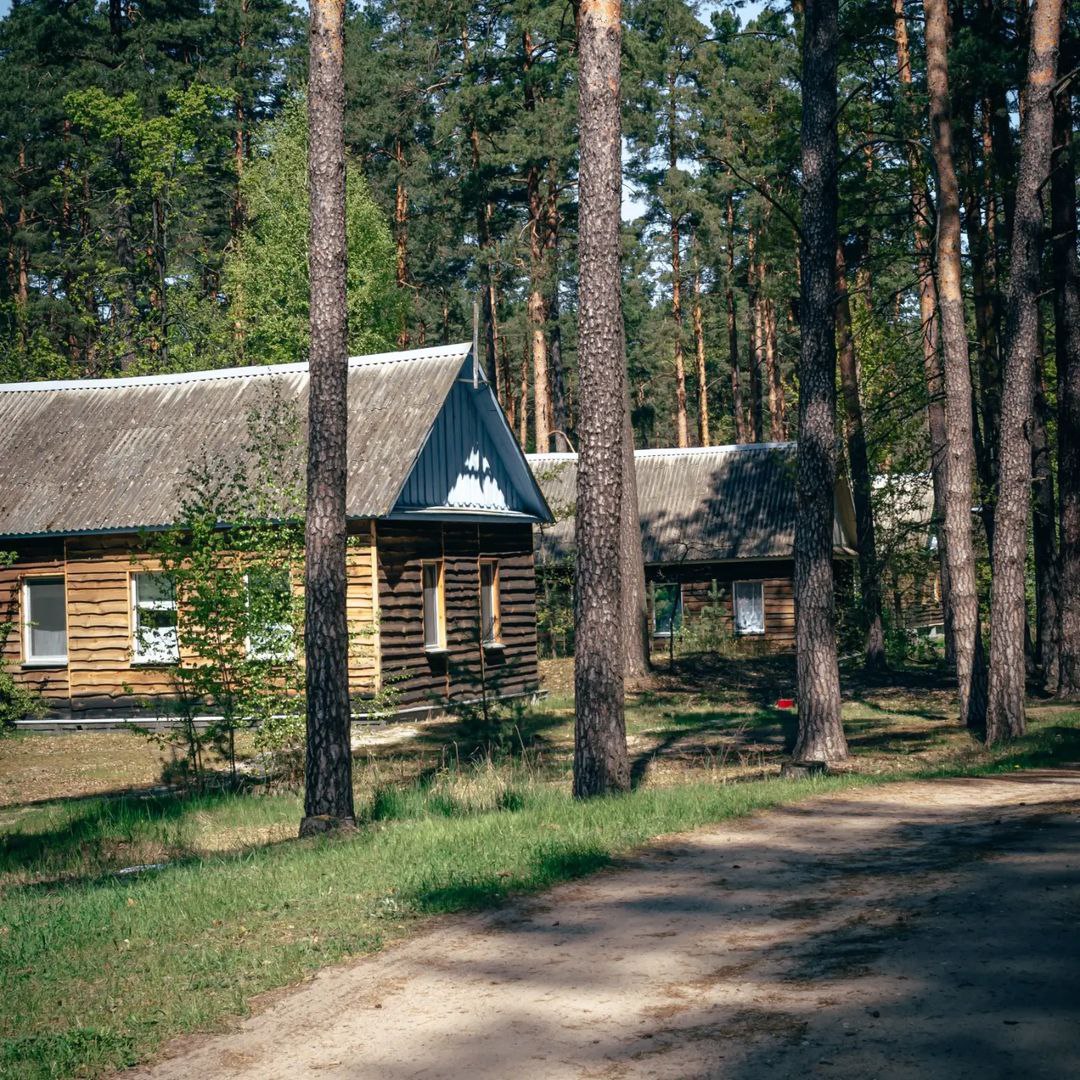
{"type": "Point", "coordinates": [100, 677]}
{"type": "Point", "coordinates": [460, 673]}
{"type": "Point", "coordinates": [698, 581]}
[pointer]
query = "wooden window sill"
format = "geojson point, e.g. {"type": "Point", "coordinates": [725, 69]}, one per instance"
{"type": "Point", "coordinates": [58, 662]}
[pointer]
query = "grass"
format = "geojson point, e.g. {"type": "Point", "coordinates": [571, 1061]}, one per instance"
{"type": "Point", "coordinates": [99, 968]}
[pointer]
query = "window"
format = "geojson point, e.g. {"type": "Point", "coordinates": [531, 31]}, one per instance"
{"type": "Point", "coordinates": [667, 609]}
{"type": "Point", "coordinates": [153, 620]}
{"type": "Point", "coordinates": [749, 607]}
{"type": "Point", "coordinates": [269, 606]}
{"type": "Point", "coordinates": [490, 614]}
{"type": "Point", "coordinates": [45, 613]}
{"type": "Point", "coordinates": [434, 607]}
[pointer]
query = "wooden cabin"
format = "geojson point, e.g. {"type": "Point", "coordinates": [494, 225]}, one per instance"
{"type": "Point", "coordinates": [717, 532]}
{"type": "Point", "coordinates": [440, 502]}
{"type": "Point", "coordinates": [908, 552]}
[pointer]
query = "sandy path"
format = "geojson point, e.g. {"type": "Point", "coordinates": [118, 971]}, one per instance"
{"type": "Point", "coordinates": [915, 930]}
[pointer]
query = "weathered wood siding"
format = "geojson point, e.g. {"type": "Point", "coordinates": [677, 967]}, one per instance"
{"type": "Point", "coordinates": [100, 677]}
{"type": "Point", "coordinates": [34, 558]}
{"type": "Point", "coordinates": [700, 581]}
{"type": "Point", "coordinates": [423, 678]}
{"type": "Point", "coordinates": [916, 602]}
{"type": "Point", "coordinates": [362, 606]}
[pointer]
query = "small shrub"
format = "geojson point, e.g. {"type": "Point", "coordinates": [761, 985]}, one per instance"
{"type": "Point", "coordinates": [16, 702]}
{"type": "Point", "coordinates": [709, 630]}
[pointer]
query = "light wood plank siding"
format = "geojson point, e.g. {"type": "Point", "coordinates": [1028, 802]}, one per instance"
{"type": "Point", "coordinates": [362, 609]}
{"type": "Point", "coordinates": [100, 676]}
{"type": "Point", "coordinates": [35, 559]}
{"type": "Point", "coordinates": [103, 677]}
{"type": "Point", "coordinates": [425, 678]}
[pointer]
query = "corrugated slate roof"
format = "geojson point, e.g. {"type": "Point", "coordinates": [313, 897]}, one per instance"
{"type": "Point", "coordinates": [110, 454]}
{"type": "Point", "coordinates": [706, 504]}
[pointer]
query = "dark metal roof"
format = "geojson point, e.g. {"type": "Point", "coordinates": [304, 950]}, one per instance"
{"type": "Point", "coordinates": [708, 504]}
{"type": "Point", "coordinates": [111, 454]}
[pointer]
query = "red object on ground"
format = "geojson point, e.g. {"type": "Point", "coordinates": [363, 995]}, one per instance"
{"type": "Point", "coordinates": [785, 703]}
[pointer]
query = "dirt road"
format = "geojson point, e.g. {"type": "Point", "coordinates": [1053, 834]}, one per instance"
{"type": "Point", "coordinates": [908, 931]}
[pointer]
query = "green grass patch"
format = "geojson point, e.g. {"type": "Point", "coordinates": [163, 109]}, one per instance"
{"type": "Point", "coordinates": [98, 969]}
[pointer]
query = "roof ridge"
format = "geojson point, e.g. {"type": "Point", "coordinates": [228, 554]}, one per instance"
{"type": "Point", "coordinates": [435, 352]}
{"type": "Point", "coordinates": [676, 451]}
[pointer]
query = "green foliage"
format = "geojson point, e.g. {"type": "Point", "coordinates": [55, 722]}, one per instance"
{"type": "Point", "coordinates": [709, 630]}
{"type": "Point", "coordinates": [266, 271]}
{"type": "Point", "coordinates": [16, 702]}
{"type": "Point", "coordinates": [232, 564]}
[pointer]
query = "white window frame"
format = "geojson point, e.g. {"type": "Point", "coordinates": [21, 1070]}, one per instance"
{"type": "Point", "coordinates": [137, 655]}
{"type": "Point", "coordinates": [29, 659]}
{"type": "Point", "coordinates": [760, 586]}
{"type": "Point", "coordinates": [677, 612]}
{"type": "Point", "coordinates": [439, 644]}
{"type": "Point", "coordinates": [494, 639]}
{"type": "Point", "coordinates": [271, 655]}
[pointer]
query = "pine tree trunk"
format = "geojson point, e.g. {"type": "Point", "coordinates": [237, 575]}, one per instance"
{"type": "Point", "coordinates": [861, 487]}
{"type": "Point", "coordinates": [1043, 528]}
{"type": "Point", "coordinates": [328, 795]}
{"type": "Point", "coordinates": [963, 591]}
{"type": "Point", "coordinates": [733, 331]}
{"type": "Point", "coordinates": [1066, 267]}
{"type": "Point", "coordinates": [537, 313]}
{"type": "Point", "coordinates": [560, 421]}
{"type": "Point", "coordinates": [523, 399]}
{"type": "Point", "coordinates": [1008, 611]}
{"type": "Point", "coordinates": [928, 321]}
{"type": "Point", "coordinates": [600, 758]}
{"type": "Point", "coordinates": [777, 418]}
{"type": "Point", "coordinates": [699, 357]}
{"type": "Point", "coordinates": [401, 233]}
{"type": "Point", "coordinates": [635, 611]}
{"type": "Point", "coordinates": [536, 308]}
{"type": "Point", "coordinates": [682, 429]}
{"type": "Point", "coordinates": [757, 348]}
{"type": "Point", "coordinates": [821, 734]}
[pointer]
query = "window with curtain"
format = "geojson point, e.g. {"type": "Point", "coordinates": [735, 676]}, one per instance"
{"type": "Point", "coordinates": [45, 613]}
{"type": "Point", "coordinates": [434, 617]}
{"type": "Point", "coordinates": [749, 607]}
{"type": "Point", "coordinates": [490, 615]}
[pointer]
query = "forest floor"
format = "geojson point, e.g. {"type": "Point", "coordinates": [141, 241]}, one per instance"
{"type": "Point", "coordinates": [134, 910]}
{"type": "Point", "coordinates": [914, 930]}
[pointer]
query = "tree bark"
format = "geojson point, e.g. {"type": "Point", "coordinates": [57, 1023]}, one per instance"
{"type": "Point", "coordinates": [928, 322]}
{"type": "Point", "coordinates": [536, 308]}
{"type": "Point", "coordinates": [401, 232]}
{"type": "Point", "coordinates": [537, 313]}
{"type": "Point", "coordinates": [757, 349]}
{"type": "Point", "coordinates": [699, 357]}
{"type": "Point", "coordinates": [560, 421]}
{"type": "Point", "coordinates": [328, 795]}
{"type": "Point", "coordinates": [1008, 611]}
{"type": "Point", "coordinates": [1043, 526]}
{"type": "Point", "coordinates": [635, 611]}
{"type": "Point", "coordinates": [738, 415]}
{"type": "Point", "coordinates": [861, 485]}
{"type": "Point", "coordinates": [777, 418]}
{"type": "Point", "coordinates": [963, 590]}
{"type": "Point", "coordinates": [600, 758]}
{"type": "Point", "coordinates": [821, 734]}
{"type": "Point", "coordinates": [682, 427]}
{"type": "Point", "coordinates": [1066, 268]}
